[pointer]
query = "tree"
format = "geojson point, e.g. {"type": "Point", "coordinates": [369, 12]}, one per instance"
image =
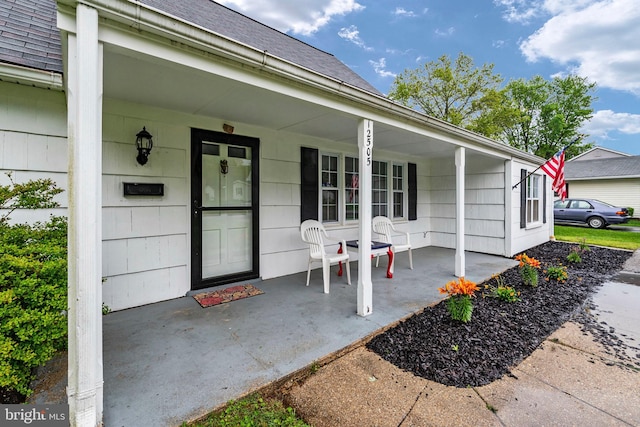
{"type": "Point", "coordinates": [547, 115]}
{"type": "Point", "coordinates": [456, 92]}
{"type": "Point", "coordinates": [536, 115]}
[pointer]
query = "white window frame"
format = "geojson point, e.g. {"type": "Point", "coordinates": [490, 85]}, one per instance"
{"type": "Point", "coordinates": [401, 191]}
{"type": "Point", "coordinates": [380, 195]}
{"type": "Point", "coordinates": [327, 187]}
{"type": "Point", "coordinates": [343, 192]}
{"type": "Point", "coordinates": [534, 199]}
{"type": "Point", "coordinates": [351, 193]}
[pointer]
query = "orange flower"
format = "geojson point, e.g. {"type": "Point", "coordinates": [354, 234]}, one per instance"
{"type": "Point", "coordinates": [459, 287]}
{"type": "Point", "coordinates": [525, 260]}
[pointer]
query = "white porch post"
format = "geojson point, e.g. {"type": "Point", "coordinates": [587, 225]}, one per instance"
{"type": "Point", "coordinates": [84, 104]}
{"type": "Point", "coordinates": [460, 261]}
{"type": "Point", "coordinates": [365, 287]}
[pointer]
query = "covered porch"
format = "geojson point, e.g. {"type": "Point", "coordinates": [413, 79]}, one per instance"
{"type": "Point", "coordinates": [174, 361]}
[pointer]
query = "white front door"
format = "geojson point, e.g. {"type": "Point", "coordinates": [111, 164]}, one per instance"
{"type": "Point", "coordinates": [224, 220]}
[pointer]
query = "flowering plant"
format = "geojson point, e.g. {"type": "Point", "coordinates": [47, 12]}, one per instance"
{"type": "Point", "coordinates": [557, 273]}
{"type": "Point", "coordinates": [528, 269]}
{"type": "Point", "coordinates": [459, 302]}
{"type": "Point", "coordinates": [501, 291]}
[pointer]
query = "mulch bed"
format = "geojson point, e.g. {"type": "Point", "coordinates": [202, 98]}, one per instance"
{"type": "Point", "coordinates": [500, 334]}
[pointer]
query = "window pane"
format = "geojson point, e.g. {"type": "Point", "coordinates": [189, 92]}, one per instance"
{"type": "Point", "coordinates": [398, 191]}
{"type": "Point", "coordinates": [533, 206]}
{"type": "Point", "coordinates": [351, 185]}
{"type": "Point", "coordinates": [379, 188]}
{"type": "Point", "coordinates": [330, 201]}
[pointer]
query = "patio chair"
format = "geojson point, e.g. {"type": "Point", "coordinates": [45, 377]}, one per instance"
{"type": "Point", "coordinates": [383, 227]}
{"type": "Point", "coordinates": [315, 235]}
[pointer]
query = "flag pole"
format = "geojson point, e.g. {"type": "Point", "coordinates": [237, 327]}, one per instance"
{"type": "Point", "coordinates": [536, 169]}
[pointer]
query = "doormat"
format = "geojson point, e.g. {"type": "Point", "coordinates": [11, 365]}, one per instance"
{"type": "Point", "coordinates": [207, 299]}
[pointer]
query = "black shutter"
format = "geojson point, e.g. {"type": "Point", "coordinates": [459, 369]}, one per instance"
{"type": "Point", "coordinates": [413, 191]}
{"type": "Point", "coordinates": [544, 199]}
{"type": "Point", "coordinates": [523, 198]}
{"type": "Point", "coordinates": [308, 184]}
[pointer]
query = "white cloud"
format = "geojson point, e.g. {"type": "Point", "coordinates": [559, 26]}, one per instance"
{"type": "Point", "coordinates": [596, 39]}
{"type": "Point", "coordinates": [498, 44]}
{"type": "Point", "coordinates": [521, 11]}
{"type": "Point", "coordinates": [380, 68]}
{"type": "Point", "coordinates": [445, 33]}
{"type": "Point", "coordinates": [402, 12]}
{"type": "Point", "coordinates": [292, 15]}
{"type": "Point", "coordinates": [605, 122]}
{"type": "Point", "coordinates": [352, 34]}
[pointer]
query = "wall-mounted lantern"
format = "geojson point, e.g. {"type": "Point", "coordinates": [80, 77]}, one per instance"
{"type": "Point", "coordinates": [144, 143]}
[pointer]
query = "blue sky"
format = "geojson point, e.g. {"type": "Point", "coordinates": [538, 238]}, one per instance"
{"type": "Point", "coordinates": [596, 39]}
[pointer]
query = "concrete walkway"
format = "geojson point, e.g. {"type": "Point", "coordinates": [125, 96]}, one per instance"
{"type": "Point", "coordinates": [570, 380]}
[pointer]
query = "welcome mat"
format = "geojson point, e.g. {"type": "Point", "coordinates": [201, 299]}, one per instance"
{"type": "Point", "coordinates": [207, 299]}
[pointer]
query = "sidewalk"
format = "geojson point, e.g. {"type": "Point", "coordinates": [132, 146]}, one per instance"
{"type": "Point", "coordinates": [570, 380]}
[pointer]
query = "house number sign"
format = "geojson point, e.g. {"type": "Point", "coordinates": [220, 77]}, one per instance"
{"type": "Point", "coordinates": [368, 141]}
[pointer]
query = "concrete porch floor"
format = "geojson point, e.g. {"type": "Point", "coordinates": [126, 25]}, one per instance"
{"type": "Point", "coordinates": [174, 361]}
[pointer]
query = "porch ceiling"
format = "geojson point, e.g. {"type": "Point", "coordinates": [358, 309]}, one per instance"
{"type": "Point", "coordinates": [144, 79]}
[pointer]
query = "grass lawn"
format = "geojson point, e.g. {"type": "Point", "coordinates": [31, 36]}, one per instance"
{"type": "Point", "coordinates": [632, 223]}
{"type": "Point", "coordinates": [601, 237]}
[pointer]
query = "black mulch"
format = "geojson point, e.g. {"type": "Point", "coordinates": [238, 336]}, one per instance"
{"type": "Point", "coordinates": [500, 334]}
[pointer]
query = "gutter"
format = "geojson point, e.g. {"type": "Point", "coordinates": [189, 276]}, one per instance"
{"type": "Point", "coordinates": [31, 77]}
{"type": "Point", "coordinates": [139, 17]}
{"type": "Point", "coordinates": [593, 178]}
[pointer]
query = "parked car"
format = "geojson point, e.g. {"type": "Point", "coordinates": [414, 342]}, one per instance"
{"type": "Point", "coordinates": [595, 213]}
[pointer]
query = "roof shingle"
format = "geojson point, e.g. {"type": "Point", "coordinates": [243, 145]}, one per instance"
{"type": "Point", "coordinates": [603, 168]}
{"type": "Point", "coordinates": [29, 36]}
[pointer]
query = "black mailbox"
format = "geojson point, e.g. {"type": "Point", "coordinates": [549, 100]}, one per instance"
{"type": "Point", "coordinates": [143, 189]}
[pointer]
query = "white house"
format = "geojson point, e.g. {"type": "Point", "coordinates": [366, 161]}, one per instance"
{"type": "Point", "coordinates": [607, 175]}
{"type": "Point", "coordinates": [253, 131]}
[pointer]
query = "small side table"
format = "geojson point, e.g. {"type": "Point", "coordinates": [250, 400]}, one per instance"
{"type": "Point", "coordinates": [377, 248]}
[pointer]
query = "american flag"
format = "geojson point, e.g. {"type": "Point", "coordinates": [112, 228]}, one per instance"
{"type": "Point", "coordinates": [354, 186]}
{"type": "Point", "coordinates": [554, 167]}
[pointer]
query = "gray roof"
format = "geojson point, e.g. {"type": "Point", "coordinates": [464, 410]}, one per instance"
{"type": "Point", "coordinates": [603, 168]}
{"type": "Point", "coordinates": [29, 36]}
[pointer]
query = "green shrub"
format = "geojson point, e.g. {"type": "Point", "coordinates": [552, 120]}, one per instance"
{"type": "Point", "coordinates": [502, 291]}
{"type": "Point", "coordinates": [574, 257]}
{"type": "Point", "coordinates": [557, 273]}
{"type": "Point", "coordinates": [33, 286]}
{"type": "Point", "coordinates": [630, 209]}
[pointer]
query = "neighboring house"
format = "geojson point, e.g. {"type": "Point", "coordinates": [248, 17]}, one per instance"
{"type": "Point", "coordinates": [605, 175]}
{"type": "Point", "coordinates": [253, 132]}
{"type": "Point", "coordinates": [597, 153]}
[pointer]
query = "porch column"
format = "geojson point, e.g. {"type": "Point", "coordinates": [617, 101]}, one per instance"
{"type": "Point", "coordinates": [365, 287]}
{"type": "Point", "coordinates": [84, 126]}
{"type": "Point", "coordinates": [460, 261]}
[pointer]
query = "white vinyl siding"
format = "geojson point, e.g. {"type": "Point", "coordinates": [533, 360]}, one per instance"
{"type": "Point", "coordinates": [484, 208]}
{"type": "Point", "coordinates": [617, 192]}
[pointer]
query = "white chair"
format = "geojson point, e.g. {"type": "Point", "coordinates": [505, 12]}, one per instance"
{"type": "Point", "coordinates": [385, 229]}
{"type": "Point", "coordinates": [314, 234]}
